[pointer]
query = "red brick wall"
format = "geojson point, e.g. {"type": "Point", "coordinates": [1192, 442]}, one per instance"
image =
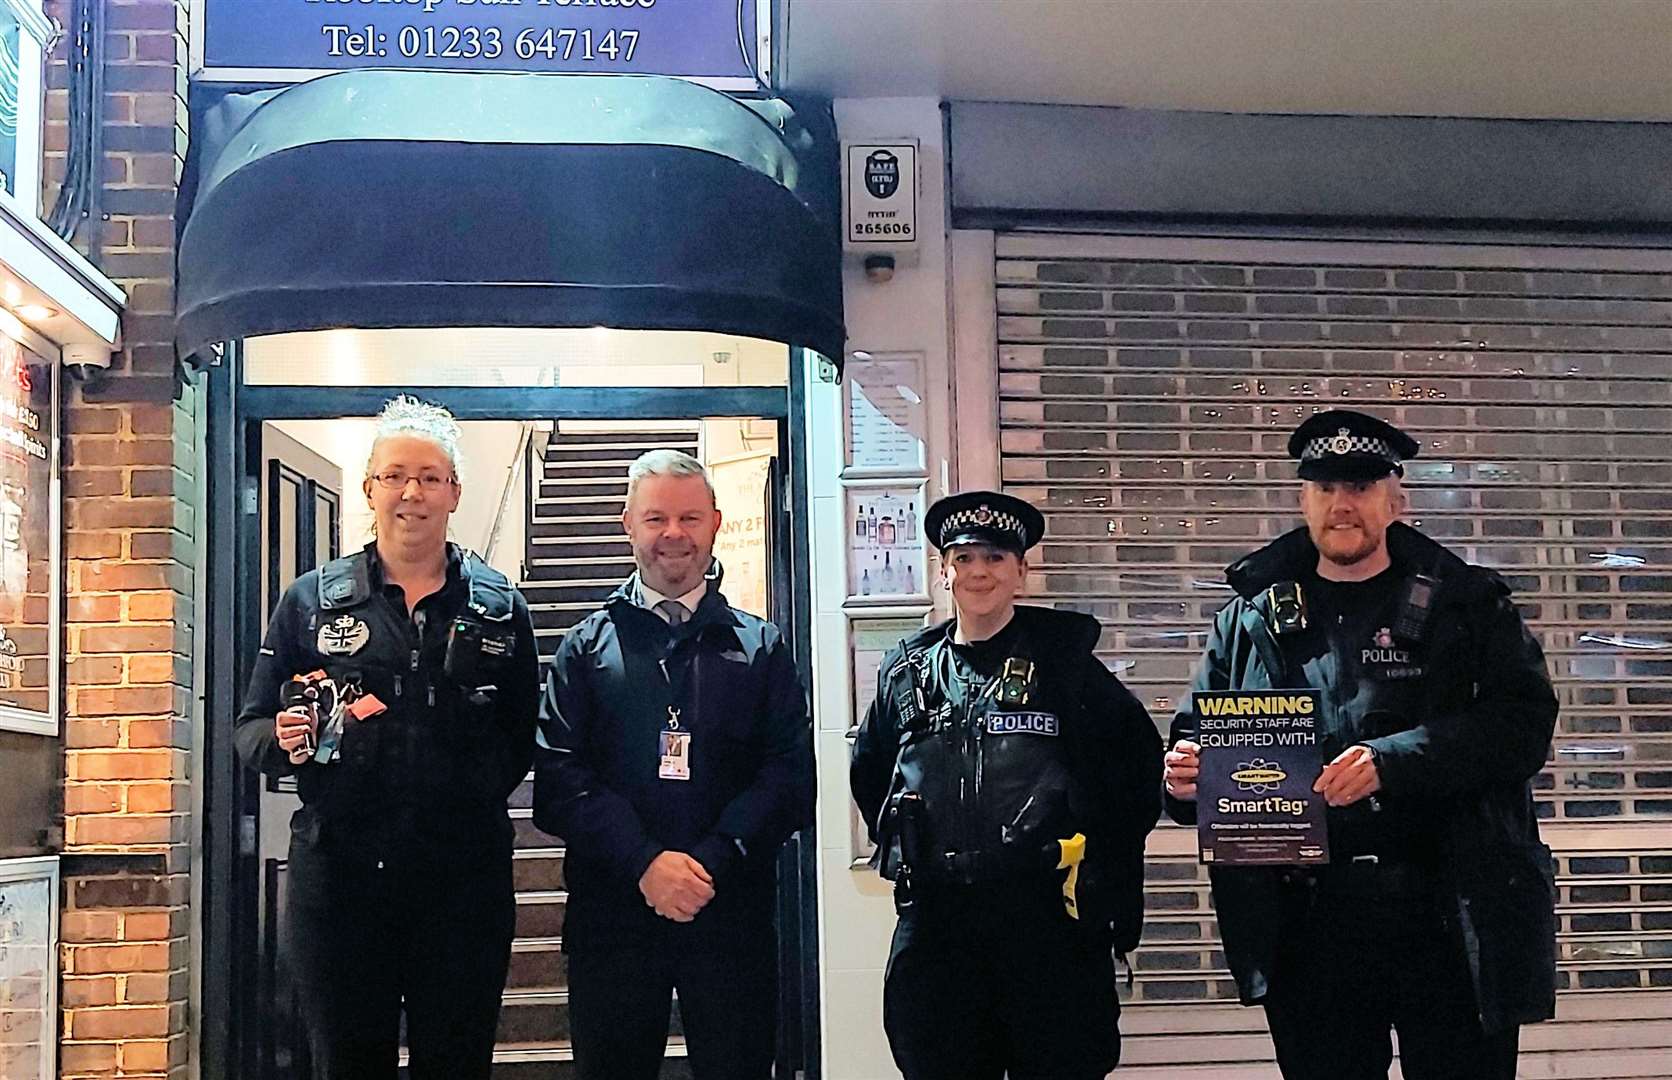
{"type": "Point", "coordinates": [128, 476]}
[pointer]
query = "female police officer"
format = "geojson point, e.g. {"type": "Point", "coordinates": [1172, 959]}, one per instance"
{"type": "Point", "coordinates": [410, 670]}
{"type": "Point", "coordinates": [1009, 780]}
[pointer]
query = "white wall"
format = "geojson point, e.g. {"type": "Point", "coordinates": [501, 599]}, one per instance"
{"type": "Point", "coordinates": [489, 450]}
{"type": "Point", "coordinates": [909, 313]}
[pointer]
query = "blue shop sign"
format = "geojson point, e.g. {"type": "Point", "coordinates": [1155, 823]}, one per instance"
{"type": "Point", "coordinates": [712, 41]}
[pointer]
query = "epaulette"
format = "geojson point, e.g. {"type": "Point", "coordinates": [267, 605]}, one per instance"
{"type": "Point", "coordinates": [345, 582]}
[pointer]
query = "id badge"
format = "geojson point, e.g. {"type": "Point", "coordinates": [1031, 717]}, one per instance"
{"type": "Point", "coordinates": [676, 756]}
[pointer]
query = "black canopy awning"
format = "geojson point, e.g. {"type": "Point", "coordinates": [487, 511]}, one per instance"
{"type": "Point", "coordinates": [382, 199]}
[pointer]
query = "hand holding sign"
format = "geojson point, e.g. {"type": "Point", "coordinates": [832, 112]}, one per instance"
{"type": "Point", "coordinates": [1350, 777]}
{"type": "Point", "coordinates": [1181, 766]}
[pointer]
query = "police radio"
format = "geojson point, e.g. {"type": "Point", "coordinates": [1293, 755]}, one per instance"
{"type": "Point", "coordinates": [1413, 609]}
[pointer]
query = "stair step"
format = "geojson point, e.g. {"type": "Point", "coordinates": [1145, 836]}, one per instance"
{"type": "Point", "coordinates": [587, 507]}
{"type": "Point", "coordinates": [582, 580]}
{"type": "Point", "coordinates": [554, 625]}
{"type": "Point", "coordinates": [547, 550]}
{"type": "Point", "coordinates": [537, 868]}
{"type": "Point", "coordinates": [562, 545]}
{"type": "Point", "coordinates": [576, 526]}
{"type": "Point", "coordinates": [555, 1061]}
{"type": "Point", "coordinates": [580, 603]}
{"type": "Point", "coordinates": [584, 468]}
{"type": "Point", "coordinates": [542, 1016]}
{"type": "Point", "coordinates": [614, 490]}
{"type": "Point", "coordinates": [622, 453]}
{"type": "Point", "coordinates": [538, 963]}
{"type": "Point", "coordinates": [577, 530]}
{"type": "Point", "coordinates": [540, 913]}
{"type": "Point", "coordinates": [544, 573]}
{"type": "Point", "coordinates": [644, 439]}
{"type": "Point", "coordinates": [570, 590]}
{"type": "Point", "coordinates": [533, 1016]}
{"type": "Point", "coordinates": [527, 835]}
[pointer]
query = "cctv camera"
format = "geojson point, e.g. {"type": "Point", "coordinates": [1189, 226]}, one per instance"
{"type": "Point", "coordinates": [86, 363]}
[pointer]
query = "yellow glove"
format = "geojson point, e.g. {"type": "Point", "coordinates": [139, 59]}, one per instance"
{"type": "Point", "coordinates": [1073, 853]}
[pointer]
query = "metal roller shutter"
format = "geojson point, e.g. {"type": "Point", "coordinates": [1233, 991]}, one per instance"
{"type": "Point", "coordinates": [1147, 387]}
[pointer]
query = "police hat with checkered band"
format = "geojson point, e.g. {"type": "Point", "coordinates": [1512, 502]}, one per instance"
{"type": "Point", "coordinates": [1346, 445]}
{"type": "Point", "coordinates": [983, 517]}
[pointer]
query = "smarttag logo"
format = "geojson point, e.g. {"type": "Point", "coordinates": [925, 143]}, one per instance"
{"type": "Point", "coordinates": [1258, 776]}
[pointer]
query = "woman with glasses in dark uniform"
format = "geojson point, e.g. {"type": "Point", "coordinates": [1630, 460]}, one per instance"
{"type": "Point", "coordinates": [399, 686]}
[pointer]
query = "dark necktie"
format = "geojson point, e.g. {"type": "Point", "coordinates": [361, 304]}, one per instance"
{"type": "Point", "coordinates": [673, 611]}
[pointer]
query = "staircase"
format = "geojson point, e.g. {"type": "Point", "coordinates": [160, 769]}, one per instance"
{"type": "Point", "coordinates": [575, 556]}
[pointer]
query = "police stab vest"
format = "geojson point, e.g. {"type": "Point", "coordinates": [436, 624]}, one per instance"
{"type": "Point", "coordinates": [989, 763]}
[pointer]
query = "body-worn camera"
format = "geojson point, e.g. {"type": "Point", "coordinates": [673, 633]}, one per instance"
{"type": "Point", "coordinates": [1287, 607]}
{"type": "Point", "coordinates": [1016, 683]}
{"type": "Point", "coordinates": [476, 652]}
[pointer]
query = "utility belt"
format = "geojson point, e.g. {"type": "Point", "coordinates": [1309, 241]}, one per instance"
{"type": "Point", "coordinates": [920, 871]}
{"type": "Point", "coordinates": [976, 867]}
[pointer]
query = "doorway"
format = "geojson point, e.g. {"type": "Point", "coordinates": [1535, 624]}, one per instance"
{"type": "Point", "coordinates": [544, 478]}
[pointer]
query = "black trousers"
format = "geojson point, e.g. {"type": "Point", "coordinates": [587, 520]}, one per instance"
{"type": "Point", "coordinates": [1365, 954]}
{"type": "Point", "coordinates": [366, 942]}
{"type": "Point", "coordinates": [726, 976]}
{"type": "Point", "coordinates": [985, 983]}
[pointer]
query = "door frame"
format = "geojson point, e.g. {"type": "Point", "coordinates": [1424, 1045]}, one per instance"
{"type": "Point", "coordinates": [232, 1020]}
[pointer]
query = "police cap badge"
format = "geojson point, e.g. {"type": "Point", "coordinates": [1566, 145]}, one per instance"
{"type": "Point", "coordinates": [1345, 445]}
{"type": "Point", "coordinates": [984, 517]}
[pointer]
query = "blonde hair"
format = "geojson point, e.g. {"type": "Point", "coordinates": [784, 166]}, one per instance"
{"type": "Point", "coordinates": [404, 414]}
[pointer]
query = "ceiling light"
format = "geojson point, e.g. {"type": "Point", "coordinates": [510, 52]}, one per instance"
{"type": "Point", "coordinates": [36, 312]}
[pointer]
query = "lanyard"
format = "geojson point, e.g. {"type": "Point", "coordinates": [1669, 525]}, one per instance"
{"type": "Point", "coordinates": [675, 688]}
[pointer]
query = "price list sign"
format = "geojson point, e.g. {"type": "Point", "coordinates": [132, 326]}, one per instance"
{"type": "Point", "coordinates": [883, 401]}
{"type": "Point", "coordinates": [26, 535]}
{"type": "Point", "coordinates": [713, 41]}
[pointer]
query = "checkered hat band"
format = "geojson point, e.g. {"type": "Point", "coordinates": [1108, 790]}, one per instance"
{"type": "Point", "coordinates": [1335, 445]}
{"type": "Point", "coordinates": [983, 518]}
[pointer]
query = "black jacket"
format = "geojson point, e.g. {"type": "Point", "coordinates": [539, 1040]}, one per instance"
{"type": "Point", "coordinates": [595, 772]}
{"type": "Point", "coordinates": [1472, 731]}
{"type": "Point", "coordinates": [1109, 744]}
{"type": "Point", "coordinates": [436, 768]}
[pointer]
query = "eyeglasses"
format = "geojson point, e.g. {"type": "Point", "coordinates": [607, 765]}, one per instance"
{"type": "Point", "coordinates": [395, 480]}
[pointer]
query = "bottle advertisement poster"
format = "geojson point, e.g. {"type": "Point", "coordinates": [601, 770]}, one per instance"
{"type": "Point", "coordinates": [885, 542]}
{"type": "Point", "coordinates": [26, 523]}
{"type": "Point", "coordinates": [1260, 757]}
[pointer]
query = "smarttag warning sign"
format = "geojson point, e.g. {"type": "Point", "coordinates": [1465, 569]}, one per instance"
{"type": "Point", "coordinates": [1259, 760]}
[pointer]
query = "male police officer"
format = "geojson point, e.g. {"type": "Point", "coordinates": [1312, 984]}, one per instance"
{"type": "Point", "coordinates": [398, 685]}
{"type": "Point", "coordinates": [1009, 780]}
{"type": "Point", "coordinates": [675, 759]}
{"type": "Point", "coordinates": [1435, 914]}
